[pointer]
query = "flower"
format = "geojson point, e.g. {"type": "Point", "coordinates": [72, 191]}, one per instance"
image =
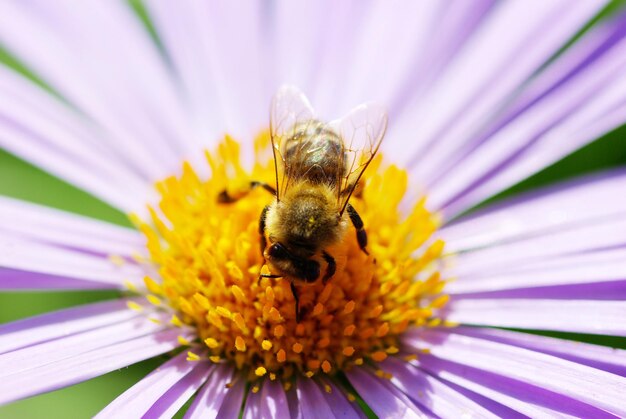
{"type": "Point", "coordinates": [480, 96]}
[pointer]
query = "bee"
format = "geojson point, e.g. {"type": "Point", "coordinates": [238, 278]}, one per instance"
{"type": "Point", "coordinates": [318, 167]}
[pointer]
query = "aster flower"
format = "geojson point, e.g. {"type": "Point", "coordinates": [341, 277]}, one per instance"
{"type": "Point", "coordinates": [480, 96]}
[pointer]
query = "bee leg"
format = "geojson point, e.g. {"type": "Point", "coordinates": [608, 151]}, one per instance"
{"type": "Point", "coordinates": [262, 228]}
{"type": "Point", "coordinates": [361, 234]}
{"type": "Point", "coordinates": [225, 198]}
{"type": "Point", "coordinates": [332, 267]}
{"type": "Point", "coordinates": [261, 276]}
{"type": "Point", "coordinates": [296, 297]}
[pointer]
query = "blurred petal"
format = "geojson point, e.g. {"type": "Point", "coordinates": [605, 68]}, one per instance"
{"type": "Point", "coordinates": [155, 393]}
{"type": "Point", "coordinates": [50, 326]}
{"type": "Point", "coordinates": [211, 396]}
{"type": "Point", "coordinates": [580, 316]}
{"type": "Point", "coordinates": [579, 382]}
{"type": "Point", "coordinates": [339, 404]}
{"type": "Point", "coordinates": [63, 229]}
{"type": "Point", "coordinates": [383, 398]}
{"type": "Point", "coordinates": [233, 402]}
{"type": "Point", "coordinates": [23, 255]}
{"type": "Point", "coordinates": [252, 408]}
{"type": "Point", "coordinates": [431, 393]}
{"type": "Point", "coordinates": [312, 402]}
{"type": "Point", "coordinates": [76, 60]}
{"type": "Point", "coordinates": [539, 212]}
{"type": "Point", "coordinates": [601, 357]}
{"type": "Point", "coordinates": [273, 400]}
{"type": "Point", "coordinates": [24, 360]}
{"type": "Point", "coordinates": [468, 91]}
{"type": "Point", "coordinates": [86, 366]}
{"type": "Point", "coordinates": [495, 390]}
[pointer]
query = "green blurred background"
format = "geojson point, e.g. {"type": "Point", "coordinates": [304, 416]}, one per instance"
{"type": "Point", "coordinates": [21, 180]}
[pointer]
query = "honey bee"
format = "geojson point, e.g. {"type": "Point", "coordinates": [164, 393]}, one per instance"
{"type": "Point", "coordinates": [318, 167]}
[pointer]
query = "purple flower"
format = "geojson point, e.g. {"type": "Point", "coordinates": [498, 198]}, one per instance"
{"type": "Point", "coordinates": [478, 100]}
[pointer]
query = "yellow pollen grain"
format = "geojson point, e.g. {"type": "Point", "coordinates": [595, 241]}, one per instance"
{"type": "Point", "coordinates": [153, 299]}
{"type": "Point", "coordinates": [349, 308]}
{"type": "Point", "coordinates": [349, 330]}
{"type": "Point", "coordinates": [255, 389]}
{"type": "Point", "coordinates": [351, 397]}
{"type": "Point", "coordinates": [382, 330]}
{"type": "Point", "coordinates": [134, 306]}
{"type": "Point", "coordinates": [326, 366]}
{"type": "Point", "coordinates": [309, 374]}
{"type": "Point", "coordinates": [240, 344]}
{"type": "Point", "coordinates": [154, 320]}
{"type": "Point", "coordinates": [379, 356]}
{"type": "Point", "coordinates": [175, 320]}
{"type": "Point", "coordinates": [377, 311]}
{"type": "Point", "coordinates": [287, 386]}
{"type": "Point", "coordinates": [224, 312]}
{"type": "Point", "coordinates": [411, 357]}
{"type": "Point", "coordinates": [211, 343]}
{"type": "Point", "coordinates": [117, 260]}
{"type": "Point", "coordinates": [192, 356]}
{"type": "Point", "coordinates": [152, 286]}
{"type": "Point", "coordinates": [328, 389]}
{"type": "Point", "coordinates": [240, 322]}
{"type": "Point", "coordinates": [279, 331]}
{"type": "Point", "coordinates": [318, 309]}
{"type": "Point", "coordinates": [131, 287]}
{"type": "Point", "coordinates": [183, 341]}
{"type": "Point", "coordinates": [208, 262]}
{"type": "Point", "coordinates": [238, 293]}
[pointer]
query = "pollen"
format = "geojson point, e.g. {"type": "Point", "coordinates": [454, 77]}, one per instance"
{"type": "Point", "coordinates": [209, 262]}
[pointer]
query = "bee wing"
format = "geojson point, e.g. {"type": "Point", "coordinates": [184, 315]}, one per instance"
{"type": "Point", "coordinates": [362, 131]}
{"type": "Point", "coordinates": [290, 108]}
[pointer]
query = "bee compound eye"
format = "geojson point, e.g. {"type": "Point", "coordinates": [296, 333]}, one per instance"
{"type": "Point", "coordinates": [278, 251]}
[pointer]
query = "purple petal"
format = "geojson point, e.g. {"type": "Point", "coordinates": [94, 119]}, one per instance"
{"type": "Point", "coordinates": [339, 404]}
{"type": "Point", "coordinates": [430, 392]}
{"type": "Point", "coordinates": [600, 357]}
{"type": "Point", "coordinates": [23, 333]}
{"type": "Point", "coordinates": [498, 392]}
{"type": "Point", "coordinates": [172, 401]}
{"type": "Point", "coordinates": [469, 91]}
{"type": "Point", "coordinates": [30, 256]}
{"type": "Point", "coordinates": [252, 408]}
{"type": "Point", "coordinates": [576, 112]}
{"type": "Point", "coordinates": [209, 400]}
{"type": "Point", "coordinates": [542, 211]}
{"type": "Point", "coordinates": [581, 316]}
{"type": "Point", "coordinates": [312, 402]}
{"type": "Point", "coordinates": [147, 393]}
{"type": "Point", "coordinates": [598, 235]}
{"type": "Point", "coordinates": [611, 290]}
{"type": "Point", "coordinates": [86, 366]}
{"type": "Point", "coordinates": [15, 279]}
{"type": "Point", "coordinates": [73, 60]}
{"type": "Point", "coordinates": [578, 382]}
{"type": "Point", "coordinates": [589, 269]}
{"type": "Point", "coordinates": [36, 356]}
{"type": "Point", "coordinates": [232, 403]}
{"type": "Point", "coordinates": [273, 400]}
{"type": "Point", "coordinates": [383, 398]}
{"type": "Point", "coordinates": [64, 229]}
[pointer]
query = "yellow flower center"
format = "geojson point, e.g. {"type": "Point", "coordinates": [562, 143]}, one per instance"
{"type": "Point", "coordinates": [209, 260]}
